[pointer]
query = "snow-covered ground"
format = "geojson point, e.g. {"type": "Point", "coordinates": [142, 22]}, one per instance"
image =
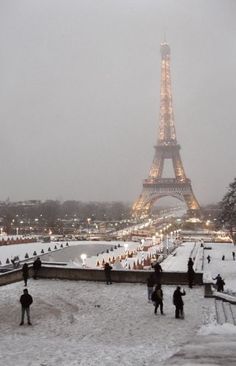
{"type": "Point", "coordinates": [20, 250]}
{"type": "Point", "coordinates": [85, 323]}
{"type": "Point", "coordinates": [81, 323]}
{"type": "Point", "coordinates": [91, 248]}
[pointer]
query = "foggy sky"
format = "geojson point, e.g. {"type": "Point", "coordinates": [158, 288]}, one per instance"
{"type": "Point", "coordinates": [80, 92]}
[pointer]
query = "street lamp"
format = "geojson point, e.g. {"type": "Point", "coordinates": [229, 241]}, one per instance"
{"type": "Point", "coordinates": [167, 243]}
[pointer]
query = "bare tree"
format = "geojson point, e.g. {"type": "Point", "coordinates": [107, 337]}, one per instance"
{"type": "Point", "coordinates": [227, 216]}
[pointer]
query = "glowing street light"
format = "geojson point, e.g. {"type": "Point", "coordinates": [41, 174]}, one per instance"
{"type": "Point", "coordinates": [83, 257]}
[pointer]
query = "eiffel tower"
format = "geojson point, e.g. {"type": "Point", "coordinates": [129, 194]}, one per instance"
{"type": "Point", "coordinates": [156, 187]}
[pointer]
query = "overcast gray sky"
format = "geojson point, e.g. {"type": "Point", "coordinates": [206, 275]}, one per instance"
{"type": "Point", "coordinates": [79, 95]}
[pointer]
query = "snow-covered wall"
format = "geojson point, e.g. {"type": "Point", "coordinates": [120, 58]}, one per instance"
{"type": "Point", "coordinates": [58, 272]}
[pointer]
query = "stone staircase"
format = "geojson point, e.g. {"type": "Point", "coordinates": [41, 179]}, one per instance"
{"type": "Point", "coordinates": [225, 312]}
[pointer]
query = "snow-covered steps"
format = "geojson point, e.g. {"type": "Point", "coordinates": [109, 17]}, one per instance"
{"type": "Point", "coordinates": [225, 312]}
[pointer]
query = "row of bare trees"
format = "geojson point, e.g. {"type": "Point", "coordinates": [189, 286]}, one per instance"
{"type": "Point", "coordinates": [50, 214]}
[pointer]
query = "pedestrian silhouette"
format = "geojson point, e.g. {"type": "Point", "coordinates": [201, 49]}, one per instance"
{"type": "Point", "coordinates": [208, 259]}
{"type": "Point", "coordinates": [223, 257]}
{"type": "Point", "coordinates": [36, 267]}
{"type": "Point", "coordinates": [15, 262]}
{"type": "Point", "coordinates": [190, 272]}
{"type": "Point", "coordinates": [25, 273]}
{"type": "Point", "coordinates": [233, 254]}
{"type": "Point", "coordinates": [158, 269]}
{"type": "Point", "coordinates": [157, 298]}
{"type": "Point", "coordinates": [178, 302]}
{"type": "Point", "coordinates": [219, 283]}
{"type": "Point", "coordinates": [26, 300]}
{"type": "Point", "coordinates": [107, 270]}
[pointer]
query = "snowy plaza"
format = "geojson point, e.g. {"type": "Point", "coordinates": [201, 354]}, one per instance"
{"type": "Point", "coordinates": [89, 323]}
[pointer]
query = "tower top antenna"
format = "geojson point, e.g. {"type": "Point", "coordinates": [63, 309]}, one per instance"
{"type": "Point", "coordinates": [164, 36]}
{"type": "Point", "coordinates": [165, 49]}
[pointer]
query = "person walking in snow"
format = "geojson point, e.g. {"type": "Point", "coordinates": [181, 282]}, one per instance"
{"type": "Point", "coordinates": [178, 302]}
{"type": "Point", "coordinates": [157, 298]}
{"type": "Point", "coordinates": [107, 271]}
{"type": "Point", "coordinates": [26, 300]}
{"type": "Point", "coordinates": [36, 267]}
{"type": "Point", "coordinates": [190, 272]}
{"type": "Point", "coordinates": [158, 269]}
{"type": "Point", "coordinates": [208, 258]}
{"type": "Point", "coordinates": [219, 283]}
{"type": "Point", "coordinates": [233, 254]}
{"type": "Point", "coordinates": [25, 273]}
{"type": "Point", "coordinates": [150, 284]}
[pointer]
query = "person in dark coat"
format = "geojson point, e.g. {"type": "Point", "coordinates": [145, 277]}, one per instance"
{"type": "Point", "coordinates": [219, 283]}
{"type": "Point", "coordinates": [26, 300]}
{"type": "Point", "coordinates": [25, 273]}
{"type": "Point", "coordinates": [178, 302]}
{"type": "Point", "coordinates": [158, 269]}
{"type": "Point", "coordinates": [233, 254]}
{"type": "Point", "coordinates": [190, 264]}
{"type": "Point", "coordinates": [157, 298]}
{"type": "Point", "coordinates": [208, 259]}
{"type": "Point", "coordinates": [36, 267]}
{"type": "Point", "coordinates": [190, 272]}
{"type": "Point", "coordinates": [15, 262]}
{"type": "Point", "coordinates": [107, 270]}
{"type": "Point", "coordinates": [150, 284]}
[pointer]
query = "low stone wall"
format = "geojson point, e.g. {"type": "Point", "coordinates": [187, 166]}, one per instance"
{"type": "Point", "coordinates": [13, 276]}
{"type": "Point", "coordinates": [166, 278]}
{"type": "Point", "coordinates": [81, 274]}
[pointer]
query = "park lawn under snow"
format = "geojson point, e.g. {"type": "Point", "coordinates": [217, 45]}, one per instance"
{"type": "Point", "coordinates": [86, 323]}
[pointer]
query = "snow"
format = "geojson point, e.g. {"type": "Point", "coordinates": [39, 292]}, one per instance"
{"type": "Point", "coordinates": [217, 329]}
{"type": "Point", "coordinates": [9, 251]}
{"type": "Point", "coordinates": [92, 323]}
{"type": "Point", "coordinates": [86, 323]}
{"type": "Point", "coordinates": [67, 254]}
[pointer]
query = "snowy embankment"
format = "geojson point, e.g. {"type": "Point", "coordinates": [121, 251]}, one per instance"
{"type": "Point", "coordinates": [20, 250]}
{"type": "Point", "coordinates": [85, 323]}
{"type": "Point", "coordinates": [81, 323]}
{"type": "Point", "coordinates": [89, 247]}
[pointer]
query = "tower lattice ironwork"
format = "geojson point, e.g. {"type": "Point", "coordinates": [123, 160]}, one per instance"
{"type": "Point", "coordinates": [155, 186]}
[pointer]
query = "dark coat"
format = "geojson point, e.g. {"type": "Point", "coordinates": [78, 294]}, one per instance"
{"type": "Point", "coordinates": [25, 270]}
{"type": "Point", "coordinates": [220, 283]}
{"type": "Point", "coordinates": [177, 297]}
{"type": "Point", "coordinates": [107, 268]}
{"type": "Point", "coordinates": [150, 281]}
{"type": "Point", "coordinates": [190, 266]}
{"type": "Point", "coordinates": [26, 300]}
{"type": "Point", "coordinates": [157, 267]}
{"type": "Point", "coordinates": [37, 264]}
{"type": "Point", "coordinates": [157, 295]}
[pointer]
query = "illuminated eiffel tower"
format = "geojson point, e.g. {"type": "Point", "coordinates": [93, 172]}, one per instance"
{"type": "Point", "coordinates": [155, 187]}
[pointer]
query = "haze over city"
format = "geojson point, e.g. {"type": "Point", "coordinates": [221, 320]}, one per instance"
{"type": "Point", "coordinates": [80, 95]}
